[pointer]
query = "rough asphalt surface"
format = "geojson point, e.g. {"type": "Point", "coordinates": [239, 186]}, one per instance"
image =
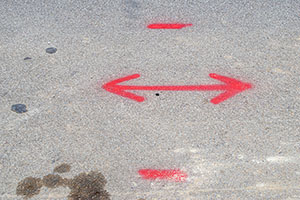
{"type": "Point", "coordinates": [244, 148]}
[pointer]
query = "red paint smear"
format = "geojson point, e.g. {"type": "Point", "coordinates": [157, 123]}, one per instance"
{"type": "Point", "coordinates": [170, 174]}
{"type": "Point", "coordinates": [231, 88]}
{"type": "Point", "coordinates": [168, 26]}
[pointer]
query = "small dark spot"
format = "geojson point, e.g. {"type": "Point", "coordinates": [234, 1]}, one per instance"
{"type": "Point", "coordinates": [29, 187]}
{"type": "Point", "coordinates": [5, 93]}
{"type": "Point", "coordinates": [88, 186]}
{"type": "Point", "coordinates": [51, 50]}
{"type": "Point", "coordinates": [27, 58]}
{"type": "Point", "coordinates": [73, 73]}
{"type": "Point", "coordinates": [63, 168]}
{"type": "Point", "coordinates": [19, 108]}
{"type": "Point", "coordinates": [157, 94]}
{"type": "Point", "coordinates": [132, 8]}
{"type": "Point", "coordinates": [53, 181]}
{"type": "Point", "coordinates": [131, 3]}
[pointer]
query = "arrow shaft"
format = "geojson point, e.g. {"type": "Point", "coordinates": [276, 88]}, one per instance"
{"type": "Point", "coordinates": [175, 88]}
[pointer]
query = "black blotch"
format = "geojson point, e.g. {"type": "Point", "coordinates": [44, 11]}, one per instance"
{"type": "Point", "coordinates": [53, 181]}
{"type": "Point", "coordinates": [27, 58]}
{"type": "Point", "coordinates": [132, 4]}
{"type": "Point", "coordinates": [63, 168]}
{"type": "Point", "coordinates": [88, 186]}
{"type": "Point", "coordinates": [19, 108]}
{"type": "Point", "coordinates": [29, 187]}
{"type": "Point", "coordinates": [157, 94]}
{"type": "Point", "coordinates": [51, 50]}
{"type": "Point", "coordinates": [132, 9]}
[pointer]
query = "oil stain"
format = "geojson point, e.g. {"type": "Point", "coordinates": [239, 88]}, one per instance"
{"type": "Point", "coordinates": [53, 181]}
{"type": "Point", "coordinates": [88, 186]}
{"type": "Point", "coordinates": [29, 187]}
{"type": "Point", "coordinates": [85, 186]}
{"type": "Point", "coordinates": [63, 168]}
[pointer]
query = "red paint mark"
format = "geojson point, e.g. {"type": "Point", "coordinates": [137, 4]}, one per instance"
{"type": "Point", "coordinates": [230, 88]}
{"type": "Point", "coordinates": [168, 26]}
{"type": "Point", "coordinates": [169, 174]}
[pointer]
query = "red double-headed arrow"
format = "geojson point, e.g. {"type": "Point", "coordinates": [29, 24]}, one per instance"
{"type": "Point", "coordinates": [230, 88]}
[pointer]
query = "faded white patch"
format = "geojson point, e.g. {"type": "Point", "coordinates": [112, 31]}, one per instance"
{"type": "Point", "coordinates": [260, 185]}
{"type": "Point", "coordinates": [293, 198]}
{"type": "Point", "coordinates": [32, 112]}
{"type": "Point", "coordinates": [201, 170]}
{"type": "Point", "coordinates": [20, 118]}
{"type": "Point", "coordinates": [134, 184]}
{"type": "Point", "coordinates": [256, 161]}
{"type": "Point", "coordinates": [86, 40]}
{"type": "Point", "coordinates": [280, 71]}
{"type": "Point", "coordinates": [228, 57]}
{"type": "Point", "coordinates": [180, 150]}
{"type": "Point", "coordinates": [194, 150]}
{"type": "Point", "coordinates": [279, 159]}
{"type": "Point", "coordinates": [29, 114]}
{"type": "Point", "coordinates": [186, 150]}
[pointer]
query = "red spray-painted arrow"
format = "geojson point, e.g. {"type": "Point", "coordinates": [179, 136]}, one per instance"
{"type": "Point", "coordinates": [164, 174]}
{"type": "Point", "coordinates": [168, 26]}
{"type": "Point", "coordinates": [231, 88]}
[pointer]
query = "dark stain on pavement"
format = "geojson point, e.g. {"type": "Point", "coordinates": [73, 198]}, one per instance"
{"type": "Point", "coordinates": [29, 187]}
{"type": "Point", "coordinates": [53, 181]}
{"type": "Point", "coordinates": [88, 186]}
{"type": "Point", "coordinates": [132, 8]}
{"type": "Point", "coordinates": [85, 186]}
{"type": "Point", "coordinates": [51, 50]}
{"type": "Point", "coordinates": [63, 168]}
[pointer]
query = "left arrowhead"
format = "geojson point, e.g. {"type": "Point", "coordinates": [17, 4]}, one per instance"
{"type": "Point", "coordinates": [113, 87]}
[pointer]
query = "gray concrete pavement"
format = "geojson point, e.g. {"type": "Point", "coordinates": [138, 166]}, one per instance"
{"type": "Point", "coordinates": [244, 148]}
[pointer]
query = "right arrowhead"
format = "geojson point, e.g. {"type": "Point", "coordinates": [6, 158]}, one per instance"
{"type": "Point", "coordinates": [233, 88]}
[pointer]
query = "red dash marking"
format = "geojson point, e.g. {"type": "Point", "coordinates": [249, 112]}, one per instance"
{"type": "Point", "coordinates": [168, 26]}
{"type": "Point", "coordinates": [169, 174]}
{"type": "Point", "coordinates": [231, 88]}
